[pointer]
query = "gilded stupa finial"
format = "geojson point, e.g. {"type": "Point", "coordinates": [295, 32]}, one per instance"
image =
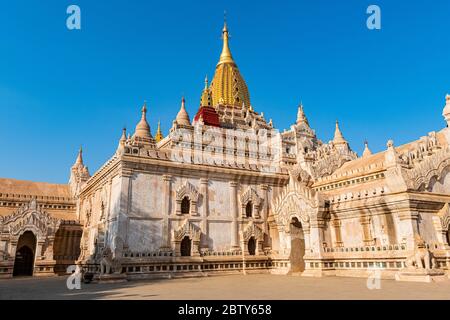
{"type": "Point", "coordinates": [224, 19]}
{"type": "Point", "coordinates": [159, 136]}
{"type": "Point", "coordinates": [205, 100]}
{"type": "Point", "coordinates": [206, 82]}
{"type": "Point", "coordinates": [225, 56]}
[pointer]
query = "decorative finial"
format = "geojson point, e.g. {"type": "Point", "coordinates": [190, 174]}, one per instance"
{"type": "Point", "coordinates": [182, 116]}
{"type": "Point", "coordinates": [366, 151]}
{"type": "Point", "coordinates": [225, 18]}
{"type": "Point", "coordinates": [225, 56]}
{"type": "Point", "coordinates": [205, 100]}
{"type": "Point", "coordinates": [338, 137]}
{"type": "Point", "coordinates": [301, 118]}
{"type": "Point", "coordinates": [390, 143]}
{"type": "Point", "coordinates": [79, 160]}
{"type": "Point", "coordinates": [143, 128]}
{"type": "Point", "coordinates": [123, 138]}
{"type": "Point", "coordinates": [159, 136]}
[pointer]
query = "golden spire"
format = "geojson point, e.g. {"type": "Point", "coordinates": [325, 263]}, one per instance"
{"type": "Point", "coordinates": [367, 151]}
{"type": "Point", "coordinates": [159, 136]}
{"type": "Point", "coordinates": [225, 56]}
{"type": "Point", "coordinates": [338, 137]}
{"type": "Point", "coordinates": [205, 100]}
{"type": "Point", "coordinates": [143, 128]}
{"type": "Point", "coordinates": [228, 86]}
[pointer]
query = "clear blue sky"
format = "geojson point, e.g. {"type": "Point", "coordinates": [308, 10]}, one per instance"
{"type": "Point", "coordinates": [60, 89]}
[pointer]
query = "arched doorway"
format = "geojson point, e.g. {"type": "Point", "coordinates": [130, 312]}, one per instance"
{"type": "Point", "coordinates": [297, 246]}
{"type": "Point", "coordinates": [24, 260]}
{"type": "Point", "coordinates": [251, 246]}
{"type": "Point", "coordinates": [185, 247]}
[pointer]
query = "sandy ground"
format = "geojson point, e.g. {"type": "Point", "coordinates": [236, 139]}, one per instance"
{"type": "Point", "coordinates": [233, 287]}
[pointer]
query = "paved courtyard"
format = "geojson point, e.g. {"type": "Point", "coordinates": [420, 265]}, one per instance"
{"type": "Point", "coordinates": [233, 287]}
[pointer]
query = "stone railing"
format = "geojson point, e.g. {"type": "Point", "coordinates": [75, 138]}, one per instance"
{"type": "Point", "coordinates": [207, 253]}
{"type": "Point", "coordinates": [391, 247]}
{"type": "Point", "coordinates": [130, 254]}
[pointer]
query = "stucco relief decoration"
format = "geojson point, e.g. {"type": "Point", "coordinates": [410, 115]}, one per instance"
{"type": "Point", "coordinates": [328, 159]}
{"type": "Point", "coordinates": [250, 195]}
{"type": "Point", "coordinates": [426, 161]}
{"type": "Point", "coordinates": [444, 217]}
{"type": "Point", "coordinates": [189, 191]}
{"type": "Point", "coordinates": [299, 175]}
{"type": "Point", "coordinates": [187, 229]}
{"type": "Point", "coordinates": [252, 230]}
{"type": "Point", "coordinates": [298, 201]}
{"type": "Point", "coordinates": [29, 217]}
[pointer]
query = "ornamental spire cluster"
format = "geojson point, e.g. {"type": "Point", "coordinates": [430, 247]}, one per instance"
{"type": "Point", "coordinates": [143, 128]}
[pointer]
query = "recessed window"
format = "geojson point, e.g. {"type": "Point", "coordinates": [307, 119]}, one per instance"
{"type": "Point", "coordinates": [251, 246]}
{"type": "Point", "coordinates": [185, 205]}
{"type": "Point", "coordinates": [249, 209]}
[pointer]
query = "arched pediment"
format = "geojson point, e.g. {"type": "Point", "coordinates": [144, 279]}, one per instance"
{"type": "Point", "coordinates": [187, 229]}
{"type": "Point", "coordinates": [427, 169]}
{"type": "Point", "coordinates": [252, 230]}
{"type": "Point", "coordinates": [187, 189]}
{"type": "Point", "coordinates": [251, 195]}
{"type": "Point", "coordinates": [297, 200]}
{"type": "Point", "coordinates": [30, 218]}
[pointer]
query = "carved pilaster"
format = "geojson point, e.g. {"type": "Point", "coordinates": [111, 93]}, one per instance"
{"type": "Point", "coordinates": [366, 229]}
{"type": "Point", "coordinates": [167, 193]}
{"type": "Point", "coordinates": [409, 227]}
{"type": "Point", "coordinates": [204, 191]}
{"type": "Point", "coordinates": [204, 183]}
{"type": "Point", "coordinates": [235, 213]}
{"type": "Point", "coordinates": [336, 224]}
{"type": "Point", "coordinates": [265, 196]}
